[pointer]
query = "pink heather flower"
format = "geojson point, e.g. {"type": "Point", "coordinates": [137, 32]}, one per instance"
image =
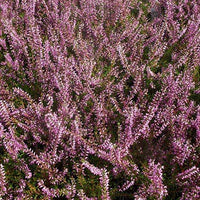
{"type": "Point", "coordinates": [104, 179]}
{"type": "Point", "coordinates": [156, 186]}
{"type": "Point", "coordinates": [115, 81]}
{"type": "Point", "coordinates": [3, 188]}
{"type": "Point", "coordinates": [182, 149]}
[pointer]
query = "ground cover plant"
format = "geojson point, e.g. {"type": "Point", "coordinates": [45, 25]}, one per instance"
{"type": "Point", "coordinates": [99, 99]}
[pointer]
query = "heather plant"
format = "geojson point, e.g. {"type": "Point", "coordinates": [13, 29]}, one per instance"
{"type": "Point", "coordinates": [99, 99]}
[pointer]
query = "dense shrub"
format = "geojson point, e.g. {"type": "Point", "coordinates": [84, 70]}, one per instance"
{"type": "Point", "coordinates": [99, 99]}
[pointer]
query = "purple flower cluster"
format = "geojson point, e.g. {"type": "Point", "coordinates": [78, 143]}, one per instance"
{"type": "Point", "coordinates": [156, 187]}
{"type": "Point", "coordinates": [99, 99]}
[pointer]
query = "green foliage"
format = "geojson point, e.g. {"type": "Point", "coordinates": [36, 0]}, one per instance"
{"type": "Point", "coordinates": [90, 185]}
